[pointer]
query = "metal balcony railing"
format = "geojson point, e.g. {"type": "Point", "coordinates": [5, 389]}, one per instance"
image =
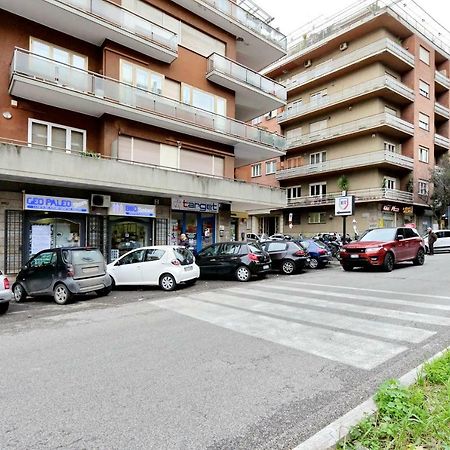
{"type": "Point", "coordinates": [441, 110]}
{"type": "Point", "coordinates": [347, 162]}
{"type": "Point", "coordinates": [369, 194]}
{"type": "Point", "coordinates": [346, 94]}
{"type": "Point", "coordinates": [118, 93]}
{"type": "Point", "coordinates": [374, 48]}
{"type": "Point", "coordinates": [242, 74]}
{"type": "Point", "coordinates": [442, 79]}
{"type": "Point", "coordinates": [442, 141]}
{"type": "Point", "coordinates": [356, 126]}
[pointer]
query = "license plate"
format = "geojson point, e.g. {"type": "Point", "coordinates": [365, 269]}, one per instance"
{"type": "Point", "coordinates": [266, 266]}
{"type": "Point", "coordinates": [188, 268]}
{"type": "Point", "coordinates": [90, 269]}
{"type": "Point", "coordinates": [354, 256]}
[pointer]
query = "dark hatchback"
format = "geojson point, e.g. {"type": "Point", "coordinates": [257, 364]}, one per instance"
{"type": "Point", "coordinates": [238, 259]}
{"type": "Point", "coordinates": [62, 273]}
{"type": "Point", "coordinates": [287, 256]}
{"type": "Point", "coordinates": [319, 254]}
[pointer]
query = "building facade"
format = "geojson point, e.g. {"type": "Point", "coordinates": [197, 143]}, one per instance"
{"type": "Point", "coordinates": [122, 122]}
{"type": "Point", "coordinates": [368, 104]}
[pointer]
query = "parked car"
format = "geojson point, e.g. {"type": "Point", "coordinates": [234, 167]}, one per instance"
{"type": "Point", "coordinates": [319, 254]}
{"type": "Point", "coordinates": [280, 237]}
{"type": "Point", "coordinates": [287, 256]}
{"type": "Point", "coordinates": [383, 247]}
{"type": "Point", "coordinates": [62, 273]}
{"type": "Point", "coordinates": [238, 259]}
{"type": "Point", "coordinates": [442, 243]}
{"type": "Point", "coordinates": [5, 293]}
{"type": "Point", "coordinates": [256, 237]}
{"type": "Point", "coordinates": [163, 265]}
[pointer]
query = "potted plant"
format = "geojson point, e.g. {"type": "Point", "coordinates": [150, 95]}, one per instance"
{"type": "Point", "coordinates": [343, 184]}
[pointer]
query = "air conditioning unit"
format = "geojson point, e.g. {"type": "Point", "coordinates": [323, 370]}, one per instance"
{"type": "Point", "coordinates": [307, 63]}
{"type": "Point", "coordinates": [343, 46]}
{"type": "Point", "coordinates": [100, 200]}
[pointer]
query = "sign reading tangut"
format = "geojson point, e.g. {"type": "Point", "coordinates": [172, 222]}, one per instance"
{"type": "Point", "coordinates": [132, 210]}
{"type": "Point", "coordinates": [194, 205]}
{"type": "Point", "coordinates": [55, 204]}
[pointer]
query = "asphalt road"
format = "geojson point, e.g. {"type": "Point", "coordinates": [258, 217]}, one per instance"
{"type": "Point", "coordinates": [221, 365]}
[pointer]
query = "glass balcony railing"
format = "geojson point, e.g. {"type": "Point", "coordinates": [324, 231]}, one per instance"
{"type": "Point", "coordinates": [356, 126]}
{"type": "Point", "coordinates": [295, 109]}
{"type": "Point", "coordinates": [114, 92]}
{"type": "Point", "coordinates": [242, 74]}
{"type": "Point", "coordinates": [379, 46]}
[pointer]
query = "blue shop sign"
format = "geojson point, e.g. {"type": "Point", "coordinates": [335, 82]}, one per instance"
{"type": "Point", "coordinates": [132, 210]}
{"type": "Point", "coordinates": [55, 204]}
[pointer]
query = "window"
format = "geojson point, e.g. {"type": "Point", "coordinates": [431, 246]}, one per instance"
{"type": "Point", "coordinates": [390, 147]}
{"type": "Point", "coordinates": [317, 126]}
{"type": "Point", "coordinates": [58, 54]}
{"type": "Point", "coordinates": [204, 100]}
{"type": "Point", "coordinates": [133, 258]}
{"type": "Point", "coordinates": [294, 192]}
{"type": "Point", "coordinates": [293, 134]}
{"type": "Point", "coordinates": [317, 158]}
{"type": "Point", "coordinates": [141, 77]}
{"type": "Point", "coordinates": [316, 217]}
{"type": "Point", "coordinates": [276, 247]}
{"type": "Point", "coordinates": [271, 167]}
{"type": "Point", "coordinates": [316, 97]}
{"type": "Point", "coordinates": [271, 114]}
{"type": "Point", "coordinates": [256, 170]}
{"type": "Point", "coordinates": [257, 120]}
{"type": "Point", "coordinates": [50, 135]}
{"type": "Point", "coordinates": [423, 187]}
{"type": "Point", "coordinates": [424, 89]}
{"type": "Point", "coordinates": [389, 183]}
{"type": "Point", "coordinates": [424, 55]}
{"type": "Point", "coordinates": [43, 260]}
{"type": "Point", "coordinates": [423, 154]}
{"type": "Point", "coordinates": [317, 189]}
{"type": "Point", "coordinates": [424, 121]}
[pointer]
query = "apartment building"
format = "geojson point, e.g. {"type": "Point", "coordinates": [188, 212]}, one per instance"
{"type": "Point", "coordinates": [122, 122]}
{"type": "Point", "coordinates": [368, 99]}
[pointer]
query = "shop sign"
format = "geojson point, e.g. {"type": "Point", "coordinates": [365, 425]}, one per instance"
{"type": "Point", "coordinates": [390, 208]}
{"type": "Point", "coordinates": [132, 210]}
{"type": "Point", "coordinates": [343, 206]}
{"type": "Point", "coordinates": [55, 204]}
{"type": "Point", "coordinates": [194, 205]}
{"type": "Point", "coordinates": [408, 210]}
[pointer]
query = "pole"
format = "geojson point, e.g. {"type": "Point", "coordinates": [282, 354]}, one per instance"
{"type": "Point", "coordinates": [344, 228]}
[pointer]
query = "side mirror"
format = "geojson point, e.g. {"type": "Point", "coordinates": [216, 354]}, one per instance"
{"type": "Point", "coordinates": [400, 237]}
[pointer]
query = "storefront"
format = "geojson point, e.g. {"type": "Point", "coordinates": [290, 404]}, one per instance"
{"type": "Point", "coordinates": [195, 218]}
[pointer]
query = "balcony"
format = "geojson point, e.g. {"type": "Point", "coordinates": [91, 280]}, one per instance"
{"type": "Point", "coordinates": [255, 94]}
{"type": "Point", "coordinates": [381, 158]}
{"type": "Point", "coordinates": [442, 82]}
{"type": "Point", "coordinates": [95, 21]}
{"type": "Point", "coordinates": [361, 195]}
{"type": "Point", "coordinates": [384, 122]}
{"type": "Point", "coordinates": [441, 143]}
{"type": "Point", "coordinates": [46, 81]}
{"type": "Point", "coordinates": [386, 86]}
{"type": "Point", "coordinates": [384, 50]}
{"type": "Point", "coordinates": [441, 112]}
{"type": "Point", "coordinates": [258, 44]}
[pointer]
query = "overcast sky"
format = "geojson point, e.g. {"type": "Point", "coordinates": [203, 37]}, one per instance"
{"type": "Point", "coordinates": [292, 14]}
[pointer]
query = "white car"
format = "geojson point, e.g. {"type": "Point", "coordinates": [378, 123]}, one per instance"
{"type": "Point", "coordinates": [163, 265]}
{"type": "Point", "coordinates": [442, 243]}
{"type": "Point", "coordinates": [5, 293]}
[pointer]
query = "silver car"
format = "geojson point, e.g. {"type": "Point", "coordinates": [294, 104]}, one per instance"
{"type": "Point", "coordinates": [5, 293]}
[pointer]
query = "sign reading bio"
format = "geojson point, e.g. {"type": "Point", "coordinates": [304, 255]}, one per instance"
{"type": "Point", "coordinates": [194, 205]}
{"type": "Point", "coordinates": [132, 210]}
{"type": "Point", "coordinates": [55, 204]}
{"type": "Point", "coordinates": [343, 206]}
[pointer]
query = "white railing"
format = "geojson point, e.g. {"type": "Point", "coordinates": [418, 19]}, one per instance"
{"type": "Point", "coordinates": [347, 162]}
{"type": "Point", "coordinates": [442, 79]}
{"type": "Point", "coordinates": [441, 110]}
{"type": "Point", "coordinates": [127, 20]}
{"type": "Point", "coordinates": [441, 141]}
{"type": "Point", "coordinates": [232, 69]}
{"type": "Point", "coordinates": [346, 94]}
{"type": "Point", "coordinates": [68, 77]}
{"type": "Point", "coordinates": [360, 195]}
{"type": "Point", "coordinates": [379, 46]}
{"type": "Point", "coordinates": [365, 123]}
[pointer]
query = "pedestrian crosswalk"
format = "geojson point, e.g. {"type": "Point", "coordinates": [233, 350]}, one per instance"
{"type": "Point", "coordinates": [324, 320]}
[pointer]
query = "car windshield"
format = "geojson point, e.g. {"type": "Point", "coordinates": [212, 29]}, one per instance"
{"type": "Point", "coordinates": [86, 256]}
{"type": "Point", "coordinates": [379, 234]}
{"type": "Point", "coordinates": [183, 255]}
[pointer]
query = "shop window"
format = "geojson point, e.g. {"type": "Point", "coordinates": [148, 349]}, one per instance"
{"type": "Point", "coordinates": [423, 154]}
{"type": "Point", "coordinates": [316, 217]}
{"type": "Point", "coordinates": [126, 236]}
{"type": "Point", "coordinates": [424, 121]}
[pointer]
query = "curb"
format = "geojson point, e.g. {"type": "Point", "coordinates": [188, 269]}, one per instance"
{"type": "Point", "coordinates": [327, 438]}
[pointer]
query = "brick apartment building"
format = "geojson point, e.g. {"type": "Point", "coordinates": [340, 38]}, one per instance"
{"type": "Point", "coordinates": [122, 121]}
{"type": "Point", "coordinates": [368, 98]}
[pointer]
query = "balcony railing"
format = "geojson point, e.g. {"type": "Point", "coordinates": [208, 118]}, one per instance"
{"type": "Point", "coordinates": [379, 46]}
{"type": "Point", "coordinates": [442, 79]}
{"type": "Point", "coordinates": [229, 68]}
{"type": "Point", "coordinates": [361, 195]}
{"type": "Point", "coordinates": [441, 141]}
{"type": "Point", "coordinates": [347, 94]}
{"type": "Point", "coordinates": [356, 126]}
{"type": "Point", "coordinates": [441, 110]}
{"type": "Point", "coordinates": [119, 94]}
{"type": "Point", "coordinates": [348, 162]}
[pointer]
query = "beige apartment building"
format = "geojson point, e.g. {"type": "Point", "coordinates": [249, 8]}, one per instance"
{"type": "Point", "coordinates": [368, 99]}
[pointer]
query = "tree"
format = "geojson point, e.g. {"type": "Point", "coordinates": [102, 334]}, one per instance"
{"type": "Point", "coordinates": [440, 177]}
{"type": "Point", "coordinates": [343, 183]}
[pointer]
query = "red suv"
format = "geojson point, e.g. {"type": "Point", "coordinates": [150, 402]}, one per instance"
{"type": "Point", "coordinates": [383, 247]}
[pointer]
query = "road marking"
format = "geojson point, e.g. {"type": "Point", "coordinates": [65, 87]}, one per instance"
{"type": "Point", "coordinates": [361, 352]}
{"type": "Point", "coordinates": [379, 329]}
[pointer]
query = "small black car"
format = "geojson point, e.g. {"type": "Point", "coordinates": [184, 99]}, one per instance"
{"type": "Point", "coordinates": [63, 272]}
{"type": "Point", "coordinates": [238, 259]}
{"type": "Point", "coordinates": [287, 256]}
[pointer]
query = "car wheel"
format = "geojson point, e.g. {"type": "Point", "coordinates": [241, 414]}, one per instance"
{"type": "Point", "coordinates": [347, 267]}
{"type": "Point", "coordinates": [313, 263]}
{"type": "Point", "coordinates": [243, 273]}
{"type": "Point", "coordinates": [167, 282]}
{"type": "Point", "coordinates": [19, 293]}
{"type": "Point", "coordinates": [61, 294]}
{"type": "Point", "coordinates": [420, 258]}
{"type": "Point", "coordinates": [105, 291]}
{"type": "Point", "coordinates": [388, 263]}
{"type": "Point", "coordinates": [288, 267]}
{"type": "Point", "coordinates": [4, 307]}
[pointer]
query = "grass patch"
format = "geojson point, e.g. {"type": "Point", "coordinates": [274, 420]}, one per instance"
{"type": "Point", "coordinates": [408, 418]}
